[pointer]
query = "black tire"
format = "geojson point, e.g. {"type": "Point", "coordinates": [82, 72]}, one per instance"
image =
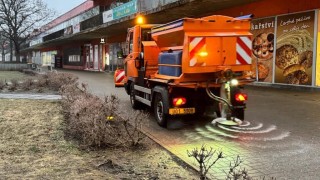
{"type": "Point", "coordinates": [159, 110]}
{"type": "Point", "coordinates": [238, 113]}
{"type": "Point", "coordinates": [134, 103]}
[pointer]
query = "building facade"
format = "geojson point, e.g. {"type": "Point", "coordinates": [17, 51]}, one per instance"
{"type": "Point", "coordinates": [286, 35]}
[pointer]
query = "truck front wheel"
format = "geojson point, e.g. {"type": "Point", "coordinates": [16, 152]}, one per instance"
{"type": "Point", "coordinates": [159, 107]}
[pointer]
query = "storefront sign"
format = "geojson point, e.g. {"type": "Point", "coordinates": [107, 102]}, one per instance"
{"type": "Point", "coordinates": [318, 54]}
{"type": "Point", "coordinates": [76, 28]}
{"type": "Point", "coordinates": [68, 30]}
{"type": "Point", "coordinates": [125, 9]}
{"type": "Point", "coordinates": [294, 51]}
{"type": "Point", "coordinates": [107, 16]}
{"type": "Point", "coordinates": [262, 49]}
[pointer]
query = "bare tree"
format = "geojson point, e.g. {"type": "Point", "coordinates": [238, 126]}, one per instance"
{"type": "Point", "coordinates": [235, 172]}
{"type": "Point", "coordinates": [3, 43]}
{"type": "Point", "coordinates": [18, 18]}
{"type": "Point", "coordinates": [204, 158]}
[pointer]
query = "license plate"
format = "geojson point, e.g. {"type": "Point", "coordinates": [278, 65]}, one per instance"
{"type": "Point", "coordinates": [175, 111]}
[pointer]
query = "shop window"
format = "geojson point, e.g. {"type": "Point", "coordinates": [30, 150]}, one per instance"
{"type": "Point", "coordinates": [74, 58]}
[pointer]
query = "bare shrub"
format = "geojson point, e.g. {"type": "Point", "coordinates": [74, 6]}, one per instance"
{"type": "Point", "coordinates": [14, 85]}
{"type": "Point", "coordinates": [235, 171]}
{"type": "Point", "coordinates": [40, 90]}
{"type": "Point", "coordinates": [28, 84]}
{"type": "Point", "coordinates": [42, 81]}
{"type": "Point", "coordinates": [57, 80]}
{"type": "Point", "coordinates": [84, 116]}
{"type": "Point", "coordinates": [204, 158]}
{"type": "Point", "coordinates": [87, 121]}
{"type": "Point", "coordinates": [134, 130]}
{"type": "Point", "coordinates": [95, 122]}
{"type": "Point", "coordinates": [2, 84]}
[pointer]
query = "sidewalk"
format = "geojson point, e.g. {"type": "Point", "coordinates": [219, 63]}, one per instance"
{"type": "Point", "coordinates": [29, 96]}
{"type": "Point", "coordinates": [285, 86]}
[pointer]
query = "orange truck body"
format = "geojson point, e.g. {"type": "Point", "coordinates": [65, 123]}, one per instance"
{"type": "Point", "coordinates": [186, 53]}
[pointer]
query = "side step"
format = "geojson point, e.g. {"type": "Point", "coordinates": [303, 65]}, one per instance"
{"type": "Point", "coordinates": [146, 99]}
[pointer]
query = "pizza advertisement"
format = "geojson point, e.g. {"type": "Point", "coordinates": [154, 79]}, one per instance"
{"type": "Point", "coordinates": [263, 49]}
{"type": "Point", "coordinates": [294, 48]}
{"type": "Point", "coordinates": [318, 54]}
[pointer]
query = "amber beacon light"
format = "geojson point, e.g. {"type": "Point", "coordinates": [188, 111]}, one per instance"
{"type": "Point", "coordinates": [140, 19]}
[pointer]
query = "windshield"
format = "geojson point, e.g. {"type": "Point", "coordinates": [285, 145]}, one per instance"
{"type": "Point", "coordinates": [146, 34]}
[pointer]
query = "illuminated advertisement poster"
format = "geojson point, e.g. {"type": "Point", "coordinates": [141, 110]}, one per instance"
{"type": "Point", "coordinates": [263, 48]}
{"type": "Point", "coordinates": [294, 51]}
{"type": "Point", "coordinates": [318, 54]}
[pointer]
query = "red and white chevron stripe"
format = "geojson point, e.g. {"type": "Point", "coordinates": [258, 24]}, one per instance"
{"type": "Point", "coordinates": [244, 45]}
{"type": "Point", "coordinates": [119, 76]}
{"type": "Point", "coordinates": [196, 45]}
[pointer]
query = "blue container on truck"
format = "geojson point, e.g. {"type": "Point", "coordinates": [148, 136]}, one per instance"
{"type": "Point", "coordinates": [170, 63]}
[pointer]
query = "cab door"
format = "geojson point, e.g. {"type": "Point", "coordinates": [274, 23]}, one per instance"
{"type": "Point", "coordinates": [133, 50]}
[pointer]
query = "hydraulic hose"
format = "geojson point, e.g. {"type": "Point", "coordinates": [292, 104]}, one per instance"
{"type": "Point", "coordinates": [217, 98]}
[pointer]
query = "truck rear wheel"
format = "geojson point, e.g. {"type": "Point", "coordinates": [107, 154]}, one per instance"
{"type": "Point", "coordinates": [159, 107]}
{"type": "Point", "coordinates": [134, 103]}
{"type": "Point", "coordinates": [238, 110]}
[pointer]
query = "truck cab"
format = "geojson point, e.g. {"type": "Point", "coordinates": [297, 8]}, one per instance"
{"type": "Point", "coordinates": [142, 54]}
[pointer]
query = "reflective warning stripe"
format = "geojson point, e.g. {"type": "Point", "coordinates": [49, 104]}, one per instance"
{"type": "Point", "coordinates": [120, 76]}
{"type": "Point", "coordinates": [244, 45]}
{"type": "Point", "coordinates": [196, 44]}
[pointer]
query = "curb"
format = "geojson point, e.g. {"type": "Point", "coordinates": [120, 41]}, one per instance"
{"type": "Point", "coordinates": [284, 86]}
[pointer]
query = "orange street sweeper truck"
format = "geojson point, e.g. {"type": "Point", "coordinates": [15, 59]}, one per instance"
{"type": "Point", "coordinates": [189, 66]}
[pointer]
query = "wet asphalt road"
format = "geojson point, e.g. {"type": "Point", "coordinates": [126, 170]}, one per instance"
{"type": "Point", "coordinates": [280, 137]}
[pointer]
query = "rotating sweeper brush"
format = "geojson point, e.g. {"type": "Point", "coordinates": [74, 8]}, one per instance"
{"type": "Point", "coordinates": [226, 107]}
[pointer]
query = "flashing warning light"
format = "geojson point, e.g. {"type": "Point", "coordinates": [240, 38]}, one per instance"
{"type": "Point", "coordinates": [179, 101]}
{"type": "Point", "coordinates": [203, 54]}
{"type": "Point", "coordinates": [140, 19]}
{"type": "Point", "coordinates": [240, 97]}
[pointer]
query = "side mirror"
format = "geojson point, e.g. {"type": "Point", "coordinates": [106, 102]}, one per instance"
{"type": "Point", "coordinates": [120, 54]}
{"type": "Point", "coordinates": [141, 56]}
{"type": "Point", "coordinates": [137, 63]}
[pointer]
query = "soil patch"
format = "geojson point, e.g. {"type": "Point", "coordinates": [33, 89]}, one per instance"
{"type": "Point", "coordinates": [32, 146]}
{"type": "Point", "coordinates": [8, 75]}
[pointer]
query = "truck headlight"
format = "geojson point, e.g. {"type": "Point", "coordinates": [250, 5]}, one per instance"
{"type": "Point", "coordinates": [234, 82]}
